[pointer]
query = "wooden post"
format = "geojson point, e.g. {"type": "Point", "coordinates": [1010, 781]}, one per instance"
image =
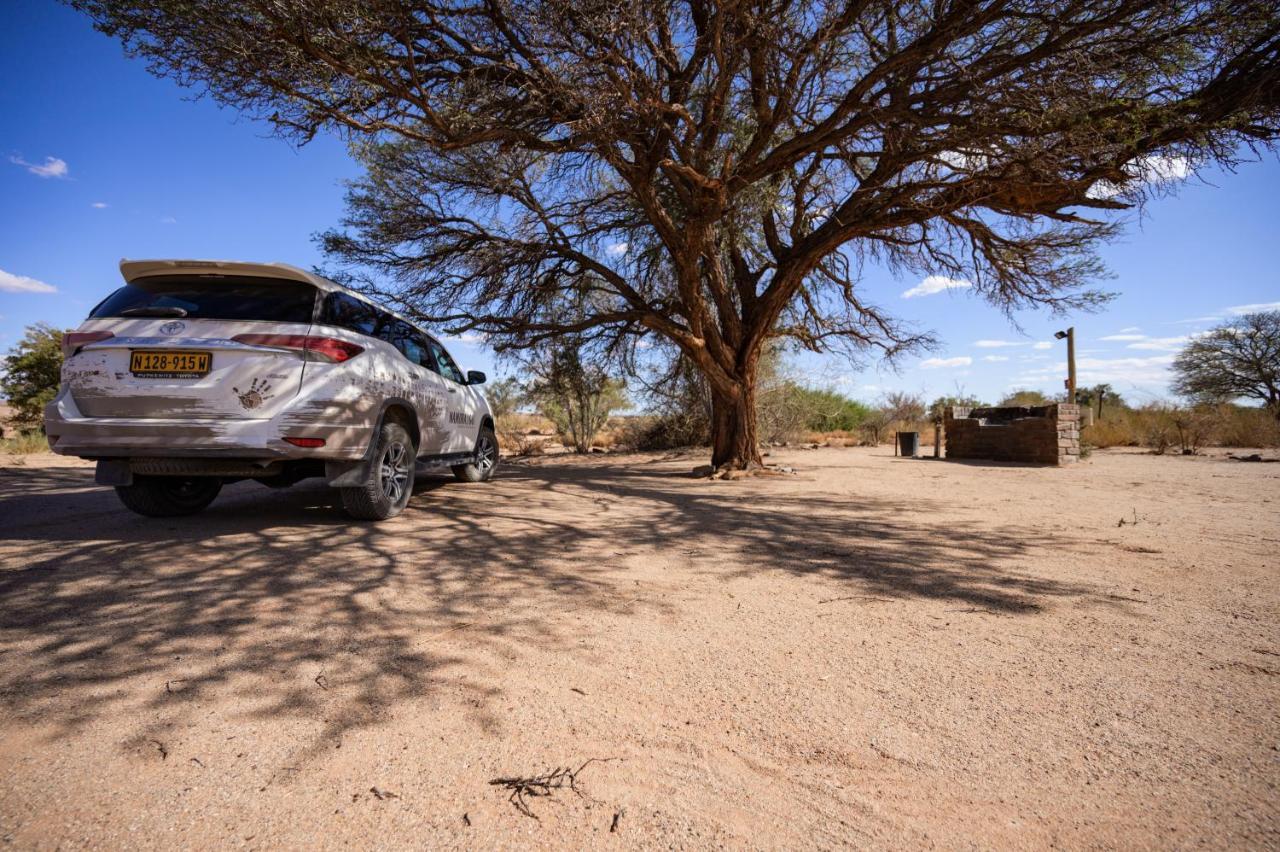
{"type": "Point", "coordinates": [1071, 365]}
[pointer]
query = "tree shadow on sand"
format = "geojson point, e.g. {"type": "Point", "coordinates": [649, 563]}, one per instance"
{"type": "Point", "coordinates": [276, 600]}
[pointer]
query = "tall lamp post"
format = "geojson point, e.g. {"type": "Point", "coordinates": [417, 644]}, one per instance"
{"type": "Point", "coordinates": [1070, 335]}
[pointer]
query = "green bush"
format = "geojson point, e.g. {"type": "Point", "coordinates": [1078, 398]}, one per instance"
{"type": "Point", "coordinates": [576, 396]}
{"type": "Point", "coordinates": [1024, 397]}
{"type": "Point", "coordinates": [829, 411]}
{"type": "Point", "coordinates": [31, 372]}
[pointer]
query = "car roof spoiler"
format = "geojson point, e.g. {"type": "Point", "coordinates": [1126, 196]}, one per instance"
{"type": "Point", "coordinates": [132, 270]}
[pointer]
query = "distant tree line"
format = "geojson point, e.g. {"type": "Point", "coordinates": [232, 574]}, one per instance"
{"type": "Point", "coordinates": [1238, 360]}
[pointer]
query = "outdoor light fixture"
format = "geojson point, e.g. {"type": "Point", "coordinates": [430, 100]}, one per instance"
{"type": "Point", "coordinates": [1070, 336]}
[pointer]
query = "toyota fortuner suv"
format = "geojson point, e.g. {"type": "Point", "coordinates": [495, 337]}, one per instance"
{"type": "Point", "coordinates": [199, 373]}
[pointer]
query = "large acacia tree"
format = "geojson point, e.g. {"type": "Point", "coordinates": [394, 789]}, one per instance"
{"type": "Point", "coordinates": [1239, 359]}
{"type": "Point", "coordinates": [716, 173]}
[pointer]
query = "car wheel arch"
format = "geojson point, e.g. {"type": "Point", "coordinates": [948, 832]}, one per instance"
{"type": "Point", "coordinates": [395, 409]}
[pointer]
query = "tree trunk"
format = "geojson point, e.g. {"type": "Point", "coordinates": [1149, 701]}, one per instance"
{"type": "Point", "coordinates": [734, 441]}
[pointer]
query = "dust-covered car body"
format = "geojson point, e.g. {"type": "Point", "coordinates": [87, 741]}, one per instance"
{"type": "Point", "coordinates": [231, 370]}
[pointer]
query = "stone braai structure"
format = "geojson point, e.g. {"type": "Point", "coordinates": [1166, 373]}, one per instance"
{"type": "Point", "coordinates": [1041, 434]}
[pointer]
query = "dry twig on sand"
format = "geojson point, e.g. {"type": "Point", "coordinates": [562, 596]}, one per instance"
{"type": "Point", "coordinates": [543, 785]}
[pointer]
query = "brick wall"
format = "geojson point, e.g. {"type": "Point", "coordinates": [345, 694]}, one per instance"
{"type": "Point", "coordinates": [1041, 434]}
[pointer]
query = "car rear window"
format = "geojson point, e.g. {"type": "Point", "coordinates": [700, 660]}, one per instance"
{"type": "Point", "coordinates": [225, 297]}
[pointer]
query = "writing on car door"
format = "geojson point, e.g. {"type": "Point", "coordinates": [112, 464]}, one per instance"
{"type": "Point", "coordinates": [461, 406]}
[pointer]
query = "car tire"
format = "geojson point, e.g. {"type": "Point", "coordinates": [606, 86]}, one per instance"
{"type": "Point", "coordinates": [389, 483]}
{"type": "Point", "coordinates": [169, 496]}
{"type": "Point", "coordinates": [486, 460]}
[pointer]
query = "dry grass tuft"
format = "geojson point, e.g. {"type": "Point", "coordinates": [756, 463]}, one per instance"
{"type": "Point", "coordinates": [24, 443]}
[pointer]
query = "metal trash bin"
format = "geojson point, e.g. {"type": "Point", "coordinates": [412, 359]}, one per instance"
{"type": "Point", "coordinates": [909, 444]}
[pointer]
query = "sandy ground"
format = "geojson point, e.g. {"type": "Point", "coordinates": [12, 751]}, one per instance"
{"type": "Point", "coordinates": [876, 652]}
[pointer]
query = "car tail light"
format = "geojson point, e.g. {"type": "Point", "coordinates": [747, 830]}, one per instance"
{"type": "Point", "coordinates": [73, 340]}
{"type": "Point", "coordinates": [322, 348]}
{"type": "Point", "coordinates": [310, 443]}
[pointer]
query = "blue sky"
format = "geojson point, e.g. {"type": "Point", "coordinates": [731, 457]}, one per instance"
{"type": "Point", "coordinates": [99, 161]}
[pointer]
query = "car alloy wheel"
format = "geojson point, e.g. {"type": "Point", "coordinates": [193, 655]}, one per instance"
{"type": "Point", "coordinates": [485, 455]}
{"type": "Point", "coordinates": [394, 471]}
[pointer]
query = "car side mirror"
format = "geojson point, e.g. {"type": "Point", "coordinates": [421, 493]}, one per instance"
{"type": "Point", "coordinates": [475, 377]}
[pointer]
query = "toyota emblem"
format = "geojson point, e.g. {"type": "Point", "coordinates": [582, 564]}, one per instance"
{"type": "Point", "coordinates": [172, 328]}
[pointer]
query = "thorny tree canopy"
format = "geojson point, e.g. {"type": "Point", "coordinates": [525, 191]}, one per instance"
{"type": "Point", "coordinates": [716, 173]}
{"type": "Point", "coordinates": [1239, 359]}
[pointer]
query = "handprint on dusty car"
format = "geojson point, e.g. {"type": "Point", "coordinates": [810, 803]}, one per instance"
{"type": "Point", "coordinates": [258, 393]}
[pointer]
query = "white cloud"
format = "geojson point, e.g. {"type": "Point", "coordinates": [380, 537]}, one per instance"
{"type": "Point", "coordinates": [1152, 370]}
{"type": "Point", "coordinates": [468, 338]}
{"type": "Point", "coordinates": [99, 205]}
{"type": "Point", "coordinates": [618, 249]}
{"type": "Point", "coordinates": [935, 284]}
{"type": "Point", "coordinates": [168, 220]}
{"type": "Point", "coordinates": [964, 161]}
{"type": "Point", "coordinates": [1160, 344]}
{"type": "Point", "coordinates": [1042, 344]}
{"type": "Point", "coordinates": [997, 344]}
{"type": "Point", "coordinates": [1163, 168]}
{"type": "Point", "coordinates": [1255, 308]}
{"type": "Point", "coordinates": [935, 363]}
{"type": "Point", "coordinates": [1234, 310]}
{"type": "Point", "coordinates": [10, 283]}
{"type": "Point", "coordinates": [1124, 337]}
{"type": "Point", "coordinates": [1146, 170]}
{"type": "Point", "coordinates": [1130, 329]}
{"type": "Point", "coordinates": [995, 358]}
{"type": "Point", "coordinates": [52, 167]}
{"type": "Point", "coordinates": [1123, 372]}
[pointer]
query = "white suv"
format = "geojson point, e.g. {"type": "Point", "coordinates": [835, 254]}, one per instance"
{"type": "Point", "coordinates": [199, 373]}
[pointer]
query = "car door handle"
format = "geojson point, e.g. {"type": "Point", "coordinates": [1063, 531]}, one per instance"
{"type": "Point", "coordinates": [453, 390]}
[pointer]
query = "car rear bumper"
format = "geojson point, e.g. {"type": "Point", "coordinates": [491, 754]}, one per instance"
{"type": "Point", "coordinates": [73, 434]}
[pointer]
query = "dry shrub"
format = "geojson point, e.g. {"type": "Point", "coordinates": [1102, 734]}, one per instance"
{"type": "Point", "coordinates": [669, 431]}
{"type": "Point", "coordinates": [1115, 431]}
{"type": "Point", "coordinates": [1162, 427]}
{"type": "Point", "coordinates": [1247, 427]}
{"type": "Point", "coordinates": [24, 443]}
{"type": "Point", "coordinates": [897, 412]}
{"type": "Point", "coordinates": [517, 444]}
{"type": "Point", "coordinates": [1195, 427]}
{"type": "Point", "coordinates": [615, 434]}
{"type": "Point", "coordinates": [782, 413]}
{"type": "Point", "coordinates": [833, 438]}
{"type": "Point", "coordinates": [1157, 429]}
{"type": "Point", "coordinates": [886, 433]}
{"type": "Point", "coordinates": [524, 434]}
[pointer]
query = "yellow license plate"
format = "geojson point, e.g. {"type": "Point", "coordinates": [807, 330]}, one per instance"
{"type": "Point", "coordinates": [169, 363]}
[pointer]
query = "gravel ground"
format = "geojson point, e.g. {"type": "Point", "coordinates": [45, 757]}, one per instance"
{"type": "Point", "coordinates": [875, 652]}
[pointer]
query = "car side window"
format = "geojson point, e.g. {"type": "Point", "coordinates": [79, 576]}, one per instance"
{"type": "Point", "coordinates": [352, 314]}
{"type": "Point", "coordinates": [415, 348]}
{"type": "Point", "coordinates": [446, 367]}
{"type": "Point", "coordinates": [404, 337]}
